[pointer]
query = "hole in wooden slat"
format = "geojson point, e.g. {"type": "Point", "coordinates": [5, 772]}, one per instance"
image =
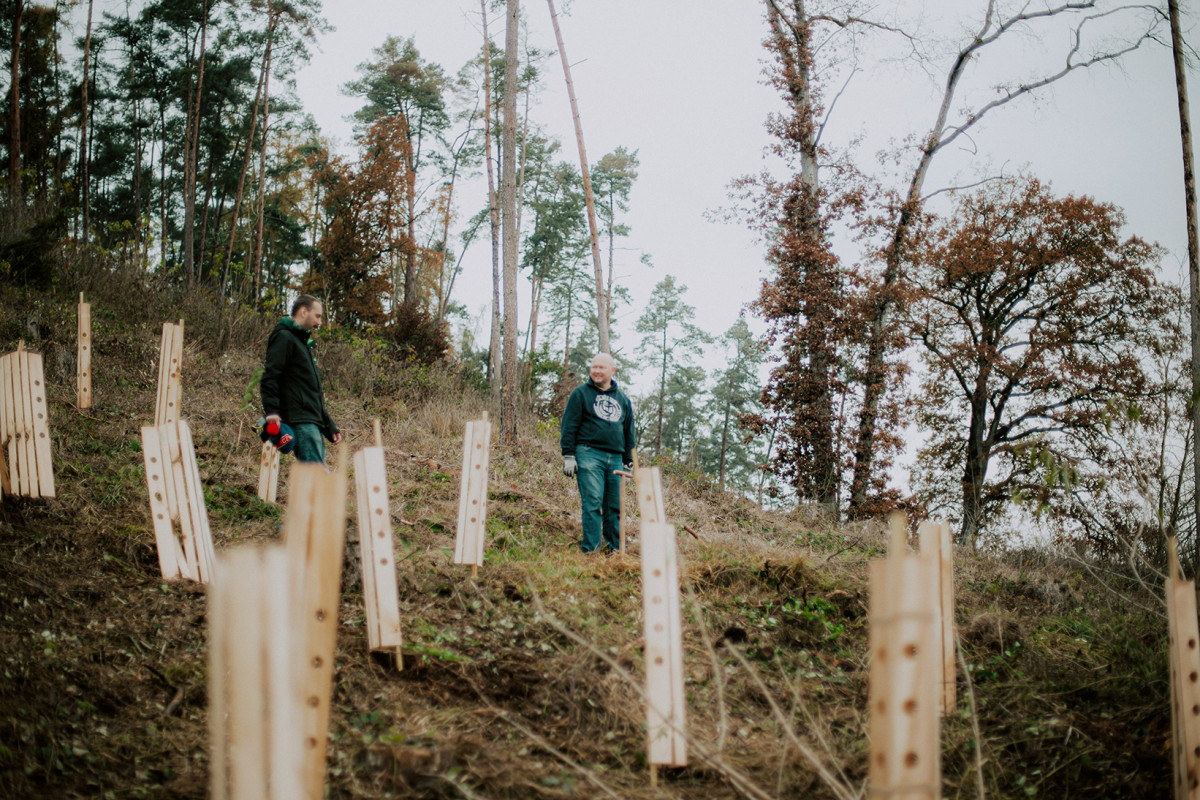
{"type": "Point", "coordinates": [383, 561]}
{"type": "Point", "coordinates": [910, 650]}
{"type": "Point", "coordinates": [314, 701]}
{"type": "Point", "coordinates": [658, 659]}
{"type": "Point", "coordinates": [320, 615]}
{"type": "Point", "coordinates": [881, 707]}
{"type": "Point", "coordinates": [317, 662]}
{"type": "Point", "coordinates": [910, 706]}
{"type": "Point", "coordinates": [910, 759]}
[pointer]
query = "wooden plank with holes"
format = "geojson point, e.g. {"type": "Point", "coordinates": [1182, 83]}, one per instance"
{"type": "Point", "coordinates": [170, 554]}
{"type": "Point", "coordinates": [203, 554]}
{"type": "Point", "coordinates": [666, 703]}
{"type": "Point", "coordinates": [83, 360]}
{"type": "Point", "coordinates": [935, 541]}
{"type": "Point", "coordinates": [268, 473]}
{"type": "Point", "coordinates": [170, 387]}
{"type": "Point", "coordinates": [380, 592]}
{"type": "Point", "coordinates": [40, 430]}
{"type": "Point", "coordinates": [471, 534]}
{"type": "Point", "coordinates": [8, 425]}
{"type": "Point", "coordinates": [255, 705]}
{"type": "Point", "coordinates": [164, 370]}
{"type": "Point", "coordinates": [28, 436]}
{"type": "Point", "coordinates": [1183, 638]}
{"type": "Point", "coordinates": [178, 497]}
{"type": "Point", "coordinates": [651, 504]}
{"type": "Point", "coordinates": [905, 644]}
{"type": "Point", "coordinates": [314, 532]}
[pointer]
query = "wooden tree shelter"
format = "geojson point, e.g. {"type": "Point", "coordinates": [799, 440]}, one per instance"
{"type": "Point", "coordinates": [903, 723]}
{"type": "Point", "coordinates": [268, 473]}
{"type": "Point", "coordinates": [83, 359]}
{"type": "Point", "coordinates": [314, 533]}
{"type": "Point", "coordinates": [935, 540]}
{"type": "Point", "coordinates": [378, 549]}
{"type": "Point", "coordinates": [1183, 636]}
{"type": "Point", "coordinates": [472, 495]}
{"type": "Point", "coordinates": [24, 425]}
{"type": "Point", "coordinates": [177, 502]}
{"type": "Point", "coordinates": [651, 505]}
{"type": "Point", "coordinates": [255, 697]}
{"type": "Point", "coordinates": [666, 702]}
{"type": "Point", "coordinates": [170, 362]}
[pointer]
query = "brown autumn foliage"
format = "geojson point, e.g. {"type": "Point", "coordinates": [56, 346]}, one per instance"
{"type": "Point", "coordinates": [1038, 324]}
{"type": "Point", "coordinates": [815, 305]}
{"type": "Point", "coordinates": [363, 239]}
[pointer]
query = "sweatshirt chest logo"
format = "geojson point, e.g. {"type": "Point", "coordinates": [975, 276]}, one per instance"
{"type": "Point", "coordinates": [606, 408]}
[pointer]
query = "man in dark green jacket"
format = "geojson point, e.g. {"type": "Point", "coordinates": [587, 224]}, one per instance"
{"type": "Point", "coordinates": [291, 384]}
{"type": "Point", "coordinates": [597, 438]}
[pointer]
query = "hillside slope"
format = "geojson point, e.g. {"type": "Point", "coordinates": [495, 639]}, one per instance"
{"type": "Point", "coordinates": [523, 683]}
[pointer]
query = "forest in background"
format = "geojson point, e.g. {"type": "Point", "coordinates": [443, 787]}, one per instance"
{"type": "Point", "coordinates": [1025, 337]}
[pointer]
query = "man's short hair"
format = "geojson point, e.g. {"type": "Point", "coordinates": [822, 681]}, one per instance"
{"type": "Point", "coordinates": [604, 357]}
{"type": "Point", "coordinates": [304, 301]}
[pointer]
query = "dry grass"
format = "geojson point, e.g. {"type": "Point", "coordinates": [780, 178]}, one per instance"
{"type": "Point", "coordinates": [527, 682]}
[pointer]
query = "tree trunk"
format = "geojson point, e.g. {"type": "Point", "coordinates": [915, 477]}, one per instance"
{"type": "Point", "coordinates": [85, 181]}
{"type": "Point", "coordinates": [256, 259]}
{"type": "Point", "coordinates": [662, 392]}
{"type": "Point", "coordinates": [725, 429]}
{"type": "Point", "coordinates": [237, 198]}
{"type": "Point", "coordinates": [14, 109]}
{"type": "Point", "coordinates": [508, 184]}
{"type": "Point", "coordinates": [493, 212]}
{"type": "Point", "coordinates": [976, 466]}
{"type": "Point", "coordinates": [601, 303]}
{"type": "Point", "coordinates": [191, 156]}
{"type": "Point", "coordinates": [1189, 199]}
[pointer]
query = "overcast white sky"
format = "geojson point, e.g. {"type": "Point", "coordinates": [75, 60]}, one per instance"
{"type": "Point", "coordinates": [680, 81]}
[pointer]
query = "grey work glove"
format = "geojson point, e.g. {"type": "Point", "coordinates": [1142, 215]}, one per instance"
{"type": "Point", "coordinates": [570, 467]}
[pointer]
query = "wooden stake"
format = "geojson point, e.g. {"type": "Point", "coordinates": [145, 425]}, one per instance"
{"type": "Point", "coordinates": [378, 434]}
{"type": "Point", "coordinates": [268, 473]}
{"type": "Point", "coordinates": [380, 595]}
{"type": "Point", "coordinates": [666, 703]}
{"type": "Point", "coordinates": [934, 537]}
{"type": "Point", "coordinates": [8, 426]}
{"type": "Point", "coordinates": [254, 699]}
{"type": "Point", "coordinates": [471, 534]}
{"type": "Point", "coordinates": [170, 361]}
{"type": "Point", "coordinates": [314, 530]}
{"type": "Point", "coordinates": [904, 729]}
{"type": "Point", "coordinates": [177, 499]}
{"type": "Point", "coordinates": [650, 494]}
{"type": "Point", "coordinates": [1183, 637]}
{"type": "Point", "coordinates": [83, 361]}
{"type": "Point", "coordinates": [24, 425]}
{"type": "Point", "coordinates": [621, 518]}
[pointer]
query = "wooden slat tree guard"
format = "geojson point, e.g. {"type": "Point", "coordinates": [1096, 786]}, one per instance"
{"type": "Point", "coordinates": [83, 360]}
{"type": "Point", "coordinates": [935, 540]}
{"type": "Point", "coordinates": [314, 532]}
{"type": "Point", "coordinates": [24, 424]}
{"type": "Point", "coordinates": [380, 595]}
{"type": "Point", "coordinates": [666, 703]}
{"type": "Point", "coordinates": [255, 702]}
{"type": "Point", "coordinates": [170, 362]}
{"type": "Point", "coordinates": [1183, 636]}
{"type": "Point", "coordinates": [268, 473]}
{"type": "Point", "coordinates": [651, 505]}
{"type": "Point", "coordinates": [472, 495]}
{"type": "Point", "coordinates": [903, 722]}
{"type": "Point", "coordinates": [177, 502]}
